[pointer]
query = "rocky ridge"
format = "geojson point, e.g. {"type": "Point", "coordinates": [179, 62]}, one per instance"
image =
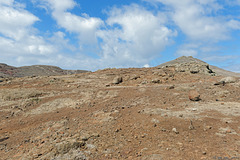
{"type": "Point", "coordinates": [35, 70]}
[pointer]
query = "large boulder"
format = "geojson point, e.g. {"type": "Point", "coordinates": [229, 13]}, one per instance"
{"type": "Point", "coordinates": [228, 80]}
{"type": "Point", "coordinates": [117, 80]}
{"type": "Point", "coordinates": [193, 95]}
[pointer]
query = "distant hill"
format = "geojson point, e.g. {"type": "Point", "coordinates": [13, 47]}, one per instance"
{"type": "Point", "coordinates": [35, 70]}
{"type": "Point", "coordinates": [181, 64]}
{"type": "Point", "coordinates": [194, 65]}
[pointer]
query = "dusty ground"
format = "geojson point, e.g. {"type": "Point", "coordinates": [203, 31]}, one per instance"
{"type": "Point", "coordinates": [147, 116]}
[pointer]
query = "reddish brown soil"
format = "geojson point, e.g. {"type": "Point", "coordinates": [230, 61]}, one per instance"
{"type": "Point", "coordinates": [147, 116]}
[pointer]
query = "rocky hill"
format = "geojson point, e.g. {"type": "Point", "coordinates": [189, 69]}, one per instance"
{"type": "Point", "coordinates": [137, 114]}
{"type": "Point", "coordinates": [193, 65]}
{"type": "Point", "coordinates": [35, 70]}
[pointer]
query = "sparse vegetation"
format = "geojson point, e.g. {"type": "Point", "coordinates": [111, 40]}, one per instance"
{"type": "Point", "coordinates": [134, 113]}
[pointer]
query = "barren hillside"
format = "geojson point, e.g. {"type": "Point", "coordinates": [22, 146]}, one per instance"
{"type": "Point", "coordinates": [143, 113]}
{"type": "Point", "coordinates": [35, 70]}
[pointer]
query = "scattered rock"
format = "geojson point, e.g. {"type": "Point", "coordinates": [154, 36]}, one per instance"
{"type": "Point", "coordinates": [219, 83]}
{"type": "Point", "coordinates": [3, 139]}
{"type": "Point", "coordinates": [194, 95]}
{"type": "Point", "coordinates": [3, 146]}
{"type": "Point", "coordinates": [155, 120]}
{"type": "Point", "coordinates": [224, 131]}
{"type": "Point", "coordinates": [161, 73]}
{"type": "Point", "coordinates": [156, 81]}
{"type": "Point", "coordinates": [171, 87]}
{"type": "Point", "coordinates": [194, 109]}
{"type": "Point", "coordinates": [92, 109]}
{"type": "Point", "coordinates": [118, 129]}
{"type": "Point", "coordinates": [228, 80]}
{"type": "Point", "coordinates": [144, 135]}
{"type": "Point", "coordinates": [134, 77]}
{"type": "Point", "coordinates": [228, 131]}
{"type": "Point", "coordinates": [66, 146]}
{"type": "Point", "coordinates": [84, 137]}
{"type": "Point", "coordinates": [191, 127]}
{"type": "Point", "coordinates": [175, 130]}
{"type": "Point", "coordinates": [144, 82]}
{"type": "Point", "coordinates": [117, 80]}
{"type": "Point", "coordinates": [108, 85]}
{"type": "Point", "coordinates": [225, 80]}
{"type": "Point", "coordinates": [164, 130]}
{"type": "Point", "coordinates": [209, 127]}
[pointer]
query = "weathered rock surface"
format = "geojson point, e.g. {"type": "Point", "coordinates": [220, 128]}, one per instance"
{"type": "Point", "coordinates": [193, 95]}
{"type": "Point", "coordinates": [117, 80]}
{"type": "Point", "coordinates": [188, 64]}
{"type": "Point", "coordinates": [228, 80]}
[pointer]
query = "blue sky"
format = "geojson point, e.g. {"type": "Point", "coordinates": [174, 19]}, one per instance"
{"type": "Point", "coordinates": [97, 34]}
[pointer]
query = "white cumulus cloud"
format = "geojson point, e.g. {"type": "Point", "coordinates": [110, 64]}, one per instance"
{"type": "Point", "coordinates": [84, 25]}
{"type": "Point", "coordinates": [15, 23]}
{"type": "Point", "coordinates": [131, 35]}
{"type": "Point", "coordinates": [202, 23]}
{"type": "Point", "coordinates": [195, 20]}
{"type": "Point", "coordinates": [18, 39]}
{"type": "Point", "coordinates": [136, 36]}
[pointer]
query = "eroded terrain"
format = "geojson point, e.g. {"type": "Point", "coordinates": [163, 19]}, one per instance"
{"type": "Point", "coordinates": [120, 114]}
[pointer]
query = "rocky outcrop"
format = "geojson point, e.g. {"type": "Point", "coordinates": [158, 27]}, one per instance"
{"type": "Point", "coordinates": [192, 65]}
{"type": "Point", "coordinates": [228, 80]}
{"type": "Point", "coordinates": [188, 64]}
{"type": "Point", "coordinates": [117, 80]}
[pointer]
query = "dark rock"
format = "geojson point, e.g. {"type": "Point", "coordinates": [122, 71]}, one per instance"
{"type": "Point", "coordinates": [156, 81]}
{"type": "Point", "coordinates": [117, 80]}
{"type": "Point", "coordinates": [219, 83]}
{"type": "Point", "coordinates": [171, 87]}
{"type": "Point", "coordinates": [134, 77]}
{"type": "Point", "coordinates": [3, 139]}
